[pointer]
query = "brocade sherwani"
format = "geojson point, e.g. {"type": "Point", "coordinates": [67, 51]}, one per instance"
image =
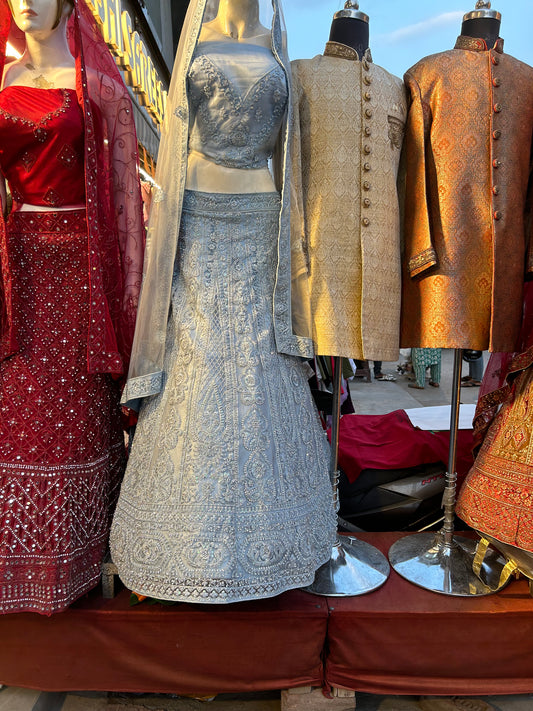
{"type": "Point", "coordinates": [349, 125]}
{"type": "Point", "coordinates": [467, 227]}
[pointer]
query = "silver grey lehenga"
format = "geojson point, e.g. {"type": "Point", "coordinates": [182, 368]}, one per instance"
{"type": "Point", "coordinates": [227, 495]}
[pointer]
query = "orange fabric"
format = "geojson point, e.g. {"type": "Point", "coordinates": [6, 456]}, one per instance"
{"type": "Point", "coordinates": [402, 639]}
{"type": "Point", "coordinates": [497, 496]}
{"type": "Point", "coordinates": [467, 148]}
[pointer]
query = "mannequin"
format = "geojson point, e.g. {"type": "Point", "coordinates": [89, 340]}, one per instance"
{"type": "Point", "coordinates": [61, 442]}
{"type": "Point", "coordinates": [228, 471]}
{"type": "Point", "coordinates": [467, 232]}
{"type": "Point", "coordinates": [350, 27]}
{"type": "Point", "coordinates": [46, 61]}
{"type": "Point", "coordinates": [346, 106]}
{"type": "Point", "coordinates": [453, 290]}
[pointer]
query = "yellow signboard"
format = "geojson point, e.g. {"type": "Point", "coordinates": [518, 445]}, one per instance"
{"type": "Point", "coordinates": [131, 53]}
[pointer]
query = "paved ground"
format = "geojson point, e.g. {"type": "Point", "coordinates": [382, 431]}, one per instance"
{"type": "Point", "coordinates": [377, 397]}
{"type": "Point", "coordinates": [26, 700]}
{"type": "Point", "coordinates": [381, 396]}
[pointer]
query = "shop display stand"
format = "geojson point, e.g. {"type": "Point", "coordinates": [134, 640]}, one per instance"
{"type": "Point", "coordinates": [355, 567]}
{"type": "Point", "coordinates": [442, 562]}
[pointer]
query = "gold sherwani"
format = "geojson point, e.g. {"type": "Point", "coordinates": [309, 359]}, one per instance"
{"type": "Point", "coordinates": [467, 232]}
{"type": "Point", "coordinates": [349, 126]}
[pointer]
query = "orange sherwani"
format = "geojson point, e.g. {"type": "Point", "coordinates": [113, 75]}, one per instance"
{"type": "Point", "coordinates": [467, 228]}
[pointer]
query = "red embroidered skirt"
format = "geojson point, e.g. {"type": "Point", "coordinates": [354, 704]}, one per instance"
{"type": "Point", "coordinates": [61, 444]}
{"type": "Point", "coordinates": [497, 496]}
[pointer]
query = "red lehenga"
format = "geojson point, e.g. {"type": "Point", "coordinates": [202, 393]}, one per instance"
{"type": "Point", "coordinates": [68, 290]}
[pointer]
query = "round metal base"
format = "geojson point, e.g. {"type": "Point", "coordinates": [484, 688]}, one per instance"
{"type": "Point", "coordinates": [426, 560]}
{"type": "Point", "coordinates": [355, 568]}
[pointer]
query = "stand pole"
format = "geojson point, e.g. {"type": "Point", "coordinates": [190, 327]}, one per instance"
{"type": "Point", "coordinates": [355, 567]}
{"type": "Point", "coordinates": [442, 562]}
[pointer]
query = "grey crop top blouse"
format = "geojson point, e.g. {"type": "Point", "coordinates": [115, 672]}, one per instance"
{"type": "Point", "coordinates": [237, 99]}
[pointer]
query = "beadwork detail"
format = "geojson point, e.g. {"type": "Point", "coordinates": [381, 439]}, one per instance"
{"type": "Point", "coordinates": [61, 446]}
{"type": "Point", "coordinates": [227, 495]}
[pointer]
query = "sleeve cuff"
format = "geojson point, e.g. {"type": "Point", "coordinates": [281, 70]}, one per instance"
{"type": "Point", "coordinates": [422, 261]}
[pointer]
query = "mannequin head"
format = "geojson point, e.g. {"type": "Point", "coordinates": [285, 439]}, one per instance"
{"type": "Point", "coordinates": [350, 27]}
{"type": "Point", "coordinates": [484, 28]}
{"type": "Point", "coordinates": [38, 16]}
{"type": "Point", "coordinates": [483, 22]}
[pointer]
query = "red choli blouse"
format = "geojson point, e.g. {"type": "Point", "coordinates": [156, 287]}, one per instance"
{"type": "Point", "coordinates": [42, 146]}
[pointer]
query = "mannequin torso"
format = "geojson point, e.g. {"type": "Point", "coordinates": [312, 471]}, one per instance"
{"type": "Point", "coordinates": [46, 63]}
{"type": "Point", "coordinates": [237, 22]}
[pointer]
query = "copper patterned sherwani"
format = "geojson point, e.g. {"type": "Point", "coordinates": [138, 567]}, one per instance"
{"type": "Point", "coordinates": [347, 138]}
{"type": "Point", "coordinates": [467, 225]}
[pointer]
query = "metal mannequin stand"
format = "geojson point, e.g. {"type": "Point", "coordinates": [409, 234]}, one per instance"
{"type": "Point", "coordinates": [440, 561]}
{"type": "Point", "coordinates": [355, 567]}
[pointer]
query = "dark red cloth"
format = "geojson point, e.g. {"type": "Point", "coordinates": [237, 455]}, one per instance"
{"type": "Point", "coordinates": [105, 645]}
{"type": "Point", "coordinates": [391, 442]}
{"type": "Point", "coordinates": [402, 639]}
{"type": "Point", "coordinates": [61, 444]}
{"type": "Point", "coordinates": [42, 146]}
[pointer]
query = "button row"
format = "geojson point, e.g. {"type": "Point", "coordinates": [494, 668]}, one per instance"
{"type": "Point", "coordinates": [367, 148]}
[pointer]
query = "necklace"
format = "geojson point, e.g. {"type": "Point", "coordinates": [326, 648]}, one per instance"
{"type": "Point", "coordinates": [40, 81]}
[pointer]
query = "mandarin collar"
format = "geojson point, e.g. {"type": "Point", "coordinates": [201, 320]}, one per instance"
{"type": "Point", "coordinates": [477, 44]}
{"type": "Point", "coordinates": [336, 49]}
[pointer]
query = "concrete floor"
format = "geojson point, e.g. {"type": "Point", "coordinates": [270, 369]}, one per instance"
{"type": "Point", "coordinates": [381, 396]}
{"type": "Point", "coordinates": [12, 699]}
{"type": "Point", "coordinates": [377, 397]}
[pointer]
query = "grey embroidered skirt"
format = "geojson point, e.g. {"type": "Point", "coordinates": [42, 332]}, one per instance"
{"type": "Point", "coordinates": [226, 495]}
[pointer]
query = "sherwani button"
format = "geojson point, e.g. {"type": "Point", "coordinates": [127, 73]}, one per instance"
{"type": "Point", "coordinates": [366, 167]}
{"type": "Point", "coordinates": [497, 108]}
{"type": "Point", "coordinates": [365, 221]}
{"type": "Point", "coordinates": [495, 59]}
{"type": "Point", "coordinates": [495, 190]}
{"type": "Point", "coordinates": [366, 202]}
{"type": "Point", "coordinates": [368, 131]}
{"type": "Point", "coordinates": [496, 163]}
{"type": "Point", "coordinates": [496, 134]}
{"type": "Point", "coordinates": [367, 150]}
{"type": "Point", "coordinates": [368, 96]}
{"type": "Point", "coordinates": [367, 79]}
{"type": "Point", "coordinates": [366, 185]}
{"type": "Point", "coordinates": [498, 215]}
{"type": "Point", "coordinates": [368, 113]}
{"type": "Point", "coordinates": [496, 81]}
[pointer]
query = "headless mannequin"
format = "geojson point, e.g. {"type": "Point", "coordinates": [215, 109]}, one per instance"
{"type": "Point", "coordinates": [487, 28]}
{"type": "Point", "coordinates": [236, 21]}
{"type": "Point", "coordinates": [351, 32]}
{"type": "Point", "coordinates": [46, 62]}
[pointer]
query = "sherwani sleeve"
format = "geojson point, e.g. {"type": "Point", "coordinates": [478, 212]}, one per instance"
{"type": "Point", "coordinates": [419, 248]}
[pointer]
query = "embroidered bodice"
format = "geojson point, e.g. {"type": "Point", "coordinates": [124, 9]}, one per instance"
{"type": "Point", "coordinates": [237, 95]}
{"type": "Point", "coordinates": [42, 146]}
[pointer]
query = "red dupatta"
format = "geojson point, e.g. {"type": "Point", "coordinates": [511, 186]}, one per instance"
{"type": "Point", "coordinates": [115, 234]}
